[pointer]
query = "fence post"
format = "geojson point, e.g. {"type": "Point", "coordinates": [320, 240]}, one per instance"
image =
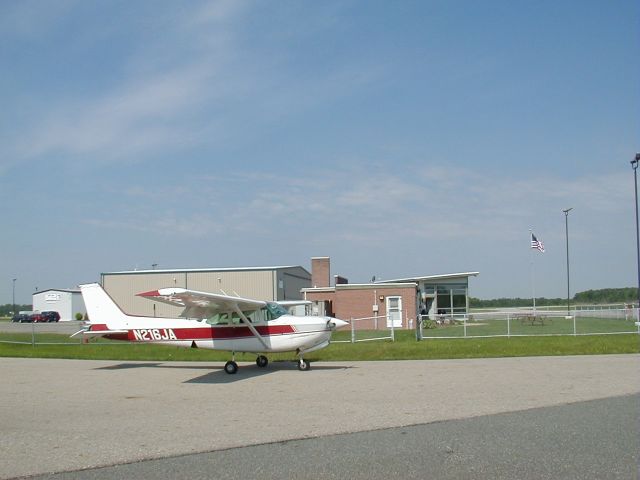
{"type": "Point", "coordinates": [33, 333]}
{"type": "Point", "coordinates": [575, 332]}
{"type": "Point", "coordinates": [464, 324]}
{"type": "Point", "coordinates": [508, 325]}
{"type": "Point", "coordinates": [353, 331]}
{"type": "Point", "coordinates": [393, 331]}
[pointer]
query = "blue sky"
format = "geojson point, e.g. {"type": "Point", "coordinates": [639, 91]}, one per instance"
{"type": "Point", "coordinates": [398, 138]}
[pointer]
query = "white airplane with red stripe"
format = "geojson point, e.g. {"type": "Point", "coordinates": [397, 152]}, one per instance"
{"type": "Point", "coordinates": [214, 321]}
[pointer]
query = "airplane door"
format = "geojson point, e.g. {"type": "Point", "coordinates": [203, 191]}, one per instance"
{"type": "Point", "coordinates": [394, 312]}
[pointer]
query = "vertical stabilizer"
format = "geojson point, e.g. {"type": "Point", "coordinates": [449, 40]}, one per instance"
{"type": "Point", "coordinates": [101, 308]}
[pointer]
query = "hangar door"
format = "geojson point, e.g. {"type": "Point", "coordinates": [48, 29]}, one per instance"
{"type": "Point", "coordinates": [394, 312]}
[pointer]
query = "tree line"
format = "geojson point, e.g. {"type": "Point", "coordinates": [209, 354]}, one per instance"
{"type": "Point", "coordinates": [5, 310]}
{"type": "Point", "coordinates": [588, 297]}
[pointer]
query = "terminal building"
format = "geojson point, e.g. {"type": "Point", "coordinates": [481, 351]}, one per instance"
{"type": "Point", "coordinates": [389, 303]}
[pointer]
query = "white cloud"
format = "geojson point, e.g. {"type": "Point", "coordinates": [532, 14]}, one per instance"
{"type": "Point", "coordinates": [215, 12]}
{"type": "Point", "coordinates": [142, 116]}
{"type": "Point", "coordinates": [197, 85]}
{"type": "Point", "coordinates": [355, 203]}
{"type": "Point", "coordinates": [157, 105]}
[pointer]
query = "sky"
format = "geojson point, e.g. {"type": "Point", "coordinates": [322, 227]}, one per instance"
{"type": "Point", "coordinates": [401, 139]}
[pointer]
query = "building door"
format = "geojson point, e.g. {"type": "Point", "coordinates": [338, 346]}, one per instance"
{"type": "Point", "coordinates": [394, 312]}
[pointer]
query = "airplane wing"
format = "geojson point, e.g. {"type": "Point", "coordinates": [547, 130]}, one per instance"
{"type": "Point", "coordinates": [202, 304]}
{"type": "Point", "coordinates": [293, 303]}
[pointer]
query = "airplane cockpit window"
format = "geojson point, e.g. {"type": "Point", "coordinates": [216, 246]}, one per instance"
{"type": "Point", "coordinates": [233, 318]}
{"type": "Point", "coordinates": [251, 316]}
{"type": "Point", "coordinates": [218, 319]}
{"type": "Point", "coordinates": [275, 310]}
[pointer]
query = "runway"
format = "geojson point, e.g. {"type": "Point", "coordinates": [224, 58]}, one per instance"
{"type": "Point", "coordinates": [68, 415]}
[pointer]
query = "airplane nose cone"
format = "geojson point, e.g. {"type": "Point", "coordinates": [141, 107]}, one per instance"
{"type": "Point", "coordinates": [335, 323]}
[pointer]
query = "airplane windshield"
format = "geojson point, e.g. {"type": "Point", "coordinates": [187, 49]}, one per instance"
{"type": "Point", "coordinates": [275, 310]}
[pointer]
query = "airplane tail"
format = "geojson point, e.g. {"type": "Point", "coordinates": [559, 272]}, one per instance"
{"type": "Point", "coordinates": [101, 308]}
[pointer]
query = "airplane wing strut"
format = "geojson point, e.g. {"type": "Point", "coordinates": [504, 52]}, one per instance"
{"type": "Point", "coordinates": [246, 321]}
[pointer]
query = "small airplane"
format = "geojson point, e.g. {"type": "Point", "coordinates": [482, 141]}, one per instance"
{"type": "Point", "coordinates": [209, 320]}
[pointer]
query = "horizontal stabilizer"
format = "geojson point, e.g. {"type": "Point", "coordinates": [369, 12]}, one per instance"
{"type": "Point", "coordinates": [99, 333]}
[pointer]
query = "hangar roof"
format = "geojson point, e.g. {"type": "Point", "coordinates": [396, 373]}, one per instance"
{"type": "Point", "coordinates": [432, 277]}
{"type": "Point", "coordinates": [188, 270]}
{"type": "Point", "coordinates": [63, 290]}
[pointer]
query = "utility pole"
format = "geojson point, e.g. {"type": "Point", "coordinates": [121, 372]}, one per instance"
{"type": "Point", "coordinates": [634, 165]}
{"type": "Point", "coordinates": [13, 298]}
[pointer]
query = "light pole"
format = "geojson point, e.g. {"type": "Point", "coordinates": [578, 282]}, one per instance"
{"type": "Point", "coordinates": [13, 297]}
{"type": "Point", "coordinates": [566, 232]}
{"type": "Point", "coordinates": [634, 165]}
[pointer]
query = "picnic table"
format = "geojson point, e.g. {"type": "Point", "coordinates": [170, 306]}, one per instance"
{"type": "Point", "coordinates": [530, 319]}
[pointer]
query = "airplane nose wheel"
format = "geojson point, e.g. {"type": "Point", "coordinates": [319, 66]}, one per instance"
{"type": "Point", "coordinates": [231, 367]}
{"type": "Point", "coordinates": [262, 361]}
{"type": "Point", "coordinates": [304, 365]}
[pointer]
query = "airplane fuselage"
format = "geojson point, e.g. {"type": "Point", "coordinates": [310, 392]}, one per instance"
{"type": "Point", "coordinates": [287, 333]}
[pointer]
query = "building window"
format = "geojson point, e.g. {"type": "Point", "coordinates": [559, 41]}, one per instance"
{"type": "Point", "coordinates": [452, 299]}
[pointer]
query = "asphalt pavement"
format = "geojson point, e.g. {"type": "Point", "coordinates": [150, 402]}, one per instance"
{"type": "Point", "coordinates": [544, 417]}
{"type": "Point", "coordinates": [584, 441]}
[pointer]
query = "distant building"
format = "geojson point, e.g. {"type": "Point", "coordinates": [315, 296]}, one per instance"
{"type": "Point", "coordinates": [66, 302]}
{"type": "Point", "coordinates": [391, 302]}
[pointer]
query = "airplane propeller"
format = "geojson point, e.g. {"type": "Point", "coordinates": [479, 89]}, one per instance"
{"type": "Point", "coordinates": [334, 323]}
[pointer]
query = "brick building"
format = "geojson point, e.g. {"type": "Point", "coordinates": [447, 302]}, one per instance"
{"type": "Point", "coordinates": [386, 303]}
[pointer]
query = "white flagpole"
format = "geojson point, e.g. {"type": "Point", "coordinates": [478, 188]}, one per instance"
{"type": "Point", "coordinates": [533, 277]}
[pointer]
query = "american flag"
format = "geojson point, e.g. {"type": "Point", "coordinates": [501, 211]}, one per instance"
{"type": "Point", "coordinates": [535, 243]}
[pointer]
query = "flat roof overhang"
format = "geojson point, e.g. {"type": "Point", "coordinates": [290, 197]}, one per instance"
{"type": "Point", "coordinates": [445, 276]}
{"type": "Point", "coordinates": [360, 286]}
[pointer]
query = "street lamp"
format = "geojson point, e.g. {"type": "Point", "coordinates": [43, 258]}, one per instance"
{"type": "Point", "coordinates": [13, 298]}
{"type": "Point", "coordinates": [566, 232]}
{"type": "Point", "coordinates": [634, 165]}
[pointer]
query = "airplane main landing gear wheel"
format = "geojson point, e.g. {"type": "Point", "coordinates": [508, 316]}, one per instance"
{"type": "Point", "coordinates": [262, 361]}
{"type": "Point", "coordinates": [231, 367]}
{"type": "Point", "coordinates": [304, 365]}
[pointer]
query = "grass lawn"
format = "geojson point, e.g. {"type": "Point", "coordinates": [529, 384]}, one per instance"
{"type": "Point", "coordinates": [404, 348]}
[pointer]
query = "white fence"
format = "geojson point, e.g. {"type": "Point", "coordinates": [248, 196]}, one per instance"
{"type": "Point", "coordinates": [368, 329]}
{"type": "Point", "coordinates": [526, 322]}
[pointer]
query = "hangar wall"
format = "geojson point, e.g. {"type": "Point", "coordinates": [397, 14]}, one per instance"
{"type": "Point", "coordinates": [260, 283]}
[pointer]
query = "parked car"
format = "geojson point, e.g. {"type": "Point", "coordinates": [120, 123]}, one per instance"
{"type": "Point", "coordinates": [50, 316]}
{"type": "Point", "coordinates": [37, 318]}
{"type": "Point", "coordinates": [21, 318]}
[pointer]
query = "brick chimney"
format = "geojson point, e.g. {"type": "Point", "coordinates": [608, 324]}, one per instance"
{"type": "Point", "coordinates": [320, 269]}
